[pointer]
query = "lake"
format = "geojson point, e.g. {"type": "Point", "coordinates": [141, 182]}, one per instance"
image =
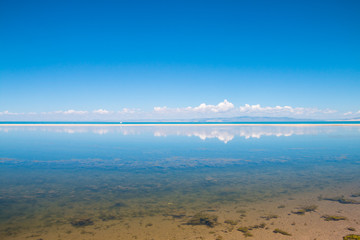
{"type": "Point", "coordinates": [285, 181]}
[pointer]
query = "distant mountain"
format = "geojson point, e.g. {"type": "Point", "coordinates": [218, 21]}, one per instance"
{"type": "Point", "coordinates": [352, 119]}
{"type": "Point", "coordinates": [252, 119]}
{"type": "Point", "coordinates": [230, 119]}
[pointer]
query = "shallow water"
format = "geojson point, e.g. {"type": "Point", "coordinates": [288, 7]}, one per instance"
{"type": "Point", "coordinates": [142, 182]}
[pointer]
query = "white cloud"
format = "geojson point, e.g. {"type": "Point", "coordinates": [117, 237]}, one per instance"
{"type": "Point", "coordinates": [257, 108]}
{"type": "Point", "coordinates": [10, 113]}
{"type": "Point", "coordinates": [129, 111]}
{"type": "Point", "coordinates": [70, 111]}
{"type": "Point", "coordinates": [228, 109]}
{"type": "Point", "coordinates": [221, 107]}
{"type": "Point", "coordinates": [352, 114]}
{"type": "Point", "coordinates": [160, 109]}
{"type": "Point", "coordinates": [4, 113]}
{"type": "Point", "coordinates": [224, 106]}
{"type": "Point", "coordinates": [282, 109]}
{"type": "Point", "coordinates": [101, 111]}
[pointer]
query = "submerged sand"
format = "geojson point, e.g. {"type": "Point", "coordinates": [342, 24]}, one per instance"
{"type": "Point", "coordinates": [277, 213]}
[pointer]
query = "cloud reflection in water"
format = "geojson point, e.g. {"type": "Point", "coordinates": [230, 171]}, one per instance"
{"type": "Point", "coordinates": [222, 133]}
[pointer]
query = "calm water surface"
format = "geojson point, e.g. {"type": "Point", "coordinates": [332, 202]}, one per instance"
{"type": "Point", "coordinates": [50, 177]}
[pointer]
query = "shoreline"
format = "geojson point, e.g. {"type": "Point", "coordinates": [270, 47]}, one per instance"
{"type": "Point", "coordinates": [174, 124]}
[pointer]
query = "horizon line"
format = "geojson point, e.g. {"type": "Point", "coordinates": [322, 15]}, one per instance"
{"type": "Point", "coordinates": [179, 123]}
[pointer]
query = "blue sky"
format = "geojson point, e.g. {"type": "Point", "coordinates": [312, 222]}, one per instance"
{"type": "Point", "coordinates": [86, 56]}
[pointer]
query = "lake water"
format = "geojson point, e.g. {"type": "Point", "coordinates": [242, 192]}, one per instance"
{"type": "Point", "coordinates": [179, 182]}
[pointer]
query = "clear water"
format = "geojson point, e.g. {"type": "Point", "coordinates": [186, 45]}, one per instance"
{"type": "Point", "coordinates": [154, 177]}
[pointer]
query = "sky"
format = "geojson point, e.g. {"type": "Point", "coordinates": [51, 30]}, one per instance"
{"type": "Point", "coordinates": [119, 60]}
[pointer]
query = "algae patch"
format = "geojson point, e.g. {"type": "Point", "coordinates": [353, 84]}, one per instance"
{"type": "Point", "coordinates": [270, 216]}
{"type": "Point", "coordinates": [231, 222]}
{"type": "Point", "coordinates": [277, 230]}
{"type": "Point", "coordinates": [303, 210]}
{"type": "Point", "coordinates": [261, 225]}
{"type": "Point", "coordinates": [351, 237]}
{"type": "Point", "coordinates": [203, 219]}
{"type": "Point", "coordinates": [333, 218]}
{"type": "Point", "coordinates": [81, 222]}
{"type": "Point", "coordinates": [245, 231]}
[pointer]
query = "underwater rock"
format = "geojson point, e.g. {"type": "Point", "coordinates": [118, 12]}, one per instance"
{"type": "Point", "coordinates": [340, 200]}
{"type": "Point", "coordinates": [348, 201]}
{"type": "Point", "coordinates": [242, 211]}
{"type": "Point", "coordinates": [82, 222]}
{"type": "Point", "coordinates": [203, 219]}
{"type": "Point", "coordinates": [299, 212]}
{"type": "Point", "coordinates": [333, 218]}
{"type": "Point", "coordinates": [107, 217]}
{"type": "Point", "coordinates": [179, 215]}
{"type": "Point", "coordinates": [119, 205]}
{"type": "Point", "coordinates": [281, 232]}
{"type": "Point", "coordinates": [270, 216]}
{"type": "Point", "coordinates": [351, 237]}
{"type": "Point", "coordinates": [261, 225]}
{"type": "Point", "coordinates": [310, 208]}
{"type": "Point", "coordinates": [175, 214]}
